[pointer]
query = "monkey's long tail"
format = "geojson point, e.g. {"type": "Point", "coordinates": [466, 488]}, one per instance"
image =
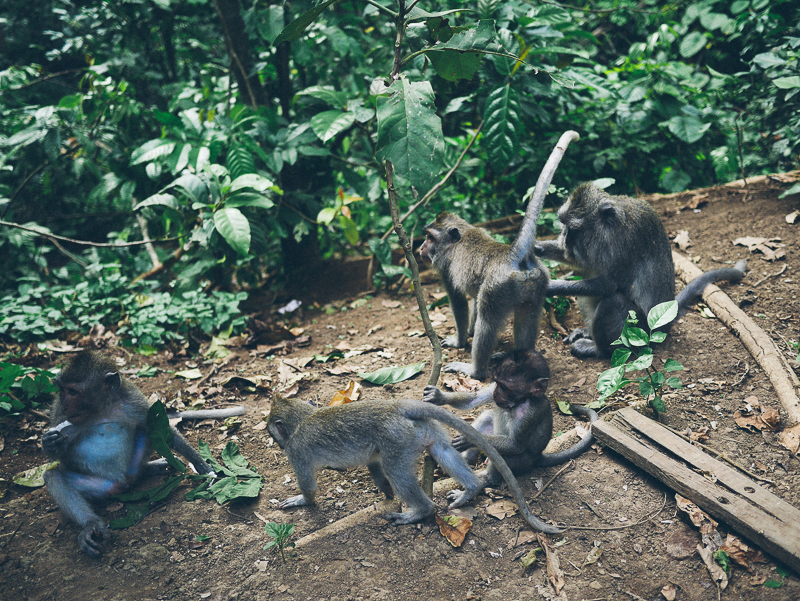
{"type": "Point", "coordinates": [551, 459]}
{"type": "Point", "coordinates": [419, 410]}
{"type": "Point", "coordinates": [693, 291]}
{"type": "Point", "coordinates": [527, 233]}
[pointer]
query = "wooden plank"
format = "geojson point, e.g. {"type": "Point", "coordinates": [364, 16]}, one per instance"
{"type": "Point", "coordinates": [777, 535]}
{"type": "Point", "coordinates": [725, 474]}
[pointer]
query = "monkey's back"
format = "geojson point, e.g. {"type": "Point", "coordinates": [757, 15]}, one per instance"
{"type": "Point", "coordinates": [470, 259]}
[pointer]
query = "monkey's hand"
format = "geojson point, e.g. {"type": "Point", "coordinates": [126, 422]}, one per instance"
{"type": "Point", "coordinates": [53, 443]}
{"type": "Point", "coordinates": [93, 535]}
{"type": "Point", "coordinates": [296, 501]}
{"type": "Point", "coordinates": [433, 395]}
{"type": "Point", "coordinates": [460, 443]}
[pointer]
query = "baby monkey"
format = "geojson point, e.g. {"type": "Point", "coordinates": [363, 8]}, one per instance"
{"type": "Point", "coordinates": [521, 423]}
{"type": "Point", "coordinates": [388, 437]}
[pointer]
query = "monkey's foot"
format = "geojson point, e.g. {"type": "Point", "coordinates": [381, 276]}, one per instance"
{"type": "Point", "coordinates": [92, 537]}
{"type": "Point", "coordinates": [458, 497]}
{"type": "Point", "coordinates": [577, 334]}
{"type": "Point", "coordinates": [432, 394]}
{"type": "Point", "coordinates": [408, 517]}
{"type": "Point", "coordinates": [584, 348]}
{"type": "Point", "coordinates": [453, 342]}
{"type": "Point", "coordinates": [296, 501]}
{"type": "Point", "coordinates": [465, 368]}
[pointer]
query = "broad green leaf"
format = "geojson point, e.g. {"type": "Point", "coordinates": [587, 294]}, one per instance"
{"type": "Point", "coordinates": [236, 462]}
{"type": "Point", "coordinates": [410, 133]}
{"type": "Point", "coordinates": [765, 60]}
{"type": "Point", "coordinates": [687, 128]}
{"type": "Point", "coordinates": [658, 336]}
{"type": "Point", "coordinates": [251, 180]}
{"type": "Point", "coordinates": [642, 362]}
{"type": "Point", "coordinates": [610, 381]}
{"type": "Point", "coordinates": [193, 186]}
{"type": "Point", "coordinates": [620, 356]}
{"type": "Point", "coordinates": [674, 382]}
{"type": "Point", "coordinates": [453, 65]}
{"type": "Point", "coordinates": [167, 200]}
{"type": "Point", "coordinates": [659, 406]}
{"type": "Point", "coordinates": [793, 190]}
{"type": "Point", "coordinates": [151, 150]}
{"type": "Point", "coordinates": [662, 314]}
{"type": "Point", "coordinates": [646, 388]}
{"type": "Point", "coordinates": [296, 28]}
{"type": "Point", "coordinates": [249, 199]}
{"type": "Point", "coordinates": [657, 378]}
{"type": "Point", "coordinates": [713, 21]}
{"type": "Point", "coordinates": [270, 22]}
{"type": "Point", "coordinates": [189, 374]}
{"type": "Point", "coordinates": [672, 365]}
{"type": "Point", "coordinates": [160, 434]}
{"type": "Point", "coordinates": [326, 94]}
{"type": "Point", "coordinates": [692, 44]}
{"type": "Point", "coordinates": [350, 229]}
{"type": "Point", "coordinates": [479, 38]}
{"type": "Point", "coordinates": [392, 375]}
{"type": "Point", "coordinates": [786, 83]}
{"type": "Point", "coordinates": [235, 228]}
{"type": "Point", "coordinates": [326, 215]}
{"type": "Point", "coordinates": [239, 160]}
{"type": "Point", "coordinates": [563, 407]}
{"type": "Point", "coordinates": [638, 337]}
{"type": "Point", "coordinates": [382, 250]}
{"type": "Point", "coordinates": [179, 158]}
{"type": "Point", "coordinates": [27, 136]}
{"type": "Point", "coordinates": [502, 124]}
{"type": "Point", "coordinates": [738, 6]}
{"type": "Point", "coordinates": [330, 123]}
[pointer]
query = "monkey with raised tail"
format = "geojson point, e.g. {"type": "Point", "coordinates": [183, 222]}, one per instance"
{"type": "Point", "coordinates": [622, 249]}
{"type": "Point", "coordinates": [520, 425]}
{"type": "Point", "coordinates": [388, 437]}
{"type": "Point", "coordinates": [501, 279]}
{"type": "Point", "coordinates": [99, 437]}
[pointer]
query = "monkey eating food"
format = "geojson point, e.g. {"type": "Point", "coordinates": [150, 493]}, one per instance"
{"type": "Point", "coordinates": [99, 438]}
{"type": "Point", "coordinates": [622, 249]}
{"type": "Point", "coordinates": [388, 437]}
{"type": "Point", "coordinates": [499, 278]}
{"type": "Point", "coordinates": [520, 425]}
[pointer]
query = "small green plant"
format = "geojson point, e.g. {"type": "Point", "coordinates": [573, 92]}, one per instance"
{"type": "Point", "coordinates": [383, 253]}
{"type": "Point", "coordinates": [638, 356]}
{"type": "Point", "coordinates": [783, 573]}
{"type": "Point", "coordinates": [23, 388]}
{"type": "Point", "coordinates": [723, 560]}
{"type": "Point", "coordinates": [280, 535]}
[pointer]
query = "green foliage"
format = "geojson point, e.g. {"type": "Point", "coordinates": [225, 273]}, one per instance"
{"type": "Point", "coordinates": [23, 388]}
{"type": "Point", "coordinates": [638, 356]}
{"type": "Point", "coordinates": [783, 572]}
{"type": "Point", "coordinates": [236, 479]}
{"type": "Point", "coordinates": [723, 560]}
{"type": "Point", "coordinates": [392, 375]}
{"type": "Point", "coordinates": [280, 535]}
{"type": "Point", "coordinates": [146, 318]}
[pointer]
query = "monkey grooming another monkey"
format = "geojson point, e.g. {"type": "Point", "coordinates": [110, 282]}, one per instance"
{"type": "Point", "coordinates": [388, 437]}
{"type": "Point", "coordinates": [621, 246]}
{"type": "Point", "coordinates": [499, 278]}
{"type": "Point", "coordinates": [520, 425]}
{"type": "Point", "coordinates": [99, 437]}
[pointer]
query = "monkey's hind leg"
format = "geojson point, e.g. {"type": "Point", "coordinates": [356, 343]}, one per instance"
{"type": "Point", "coordinates": [75, 505]}
{"type": "Point", "coordinates": [399, 469]}
{"type": "Point", "coordinates": [454, 464]}
{"type": "Point", "coordinates": [380, 479]}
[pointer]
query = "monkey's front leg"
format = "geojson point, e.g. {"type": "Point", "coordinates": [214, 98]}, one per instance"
{"type": "Point", "coordinates": [459, 306]}
{"type": "Point", "coordinates": [307, 482]}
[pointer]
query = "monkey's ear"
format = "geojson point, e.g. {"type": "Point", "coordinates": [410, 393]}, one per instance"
{"type": "Point", "coordinates": [281, 428]}
{"type": "Point", "coordinates": [454, 234]}
{"type": "Point", "coordinates": [112, 381]}
{"type": "Point", "coordinates": [539, 386]}
{"type": "Point", "coordinates": [607, 208]}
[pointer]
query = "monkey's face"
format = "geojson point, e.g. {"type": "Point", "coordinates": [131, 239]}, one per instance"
{"type": "Point", "coordinates": [428, 248]}
{"type": "Point", "coordinates": [74, 404]}
{"type": "Point", "coordinates": [277, 429]}
{"type": "Point", "coordinates": [504, 395]}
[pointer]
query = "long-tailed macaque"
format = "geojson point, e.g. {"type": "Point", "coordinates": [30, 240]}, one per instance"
{"type": "Point", "coordinates": [99, 437]}
{"type": "Point", "coordinates": [388, 437]}
{"type": "Point", "coordinates": [520, 425]}
{"type": "Point", "coordinates": [620, 245]}
{"type": "Point", "coordinates": [500, 278]}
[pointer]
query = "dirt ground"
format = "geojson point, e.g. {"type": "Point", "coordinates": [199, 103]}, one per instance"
{"type": "Point", "coordinates": [648, 550]}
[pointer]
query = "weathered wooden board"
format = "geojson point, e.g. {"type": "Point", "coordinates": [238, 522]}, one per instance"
{"type": "Point", "coordinates": [765, 519]}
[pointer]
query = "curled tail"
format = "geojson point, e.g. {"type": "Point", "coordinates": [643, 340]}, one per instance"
{"type": "Point", "coordinates": [693, 291]}
{"type": "Point", "coordinates": [420, 411]}
{"type": "Point", "coordinates": [551, 459]}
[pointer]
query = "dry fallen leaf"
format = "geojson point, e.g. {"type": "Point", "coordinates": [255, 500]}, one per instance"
{"type": "Point", "coordinates": [554, 573]}
{"type": "Point", "coordinates": [767, 420]}
{"type": "Point", "coordinates": [461, 383]}
{"type": "Point", "coordinates": [698, 516]}
{"type": "Point", "coordinates": [454, 528]}
{"type": "Point", "coordinates": [701, 435]}
{"type": "Point", "coordinates": [718, 575]}
{"type": "Point", "coordinates": [390, 304]}
{"type": "Point", "coordinates": [742, 553]}
{"type": "Point", "coordinates": [792, 217]}
{"type": "Point", "coordinates": [348, 395]}
{"type": "Point", "coordinates": [593, 555]}
{"type": "Point", "coordinates": [502, 509]}
{"type": "Point", "coordinates": [682, 240]}
{"type": "Point", "coordinates": [790, 438]}
{"type": "Point", "coordinates": [527, 536]}
{"type": "Point", "coordinates": [669, 590]}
